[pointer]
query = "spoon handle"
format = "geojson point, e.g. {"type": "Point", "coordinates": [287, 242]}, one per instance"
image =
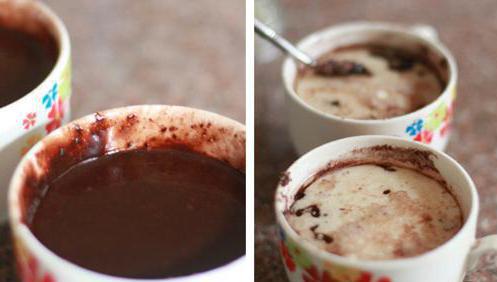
{"type": "Point", "coordinates": [283, 44]}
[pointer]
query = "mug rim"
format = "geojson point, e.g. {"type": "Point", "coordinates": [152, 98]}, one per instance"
{"type": "Point", "coordinates": [39, 250]}
{"type": "Point", "coordinates": [386, 264]}
{"type": "Point", "coordinates": [61, 36]}
{"type": "Point", "coordinates": [354, 27]}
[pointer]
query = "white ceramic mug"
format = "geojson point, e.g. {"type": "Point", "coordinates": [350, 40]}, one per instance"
{"type": "Point", "coordinates": [45, 108]}
{"type": "Point", "coordinates": [119, 129]}
{"type": "Point", "coordinates": [430, 125]}
{"type": "Point", "coordinates": [446, 263]}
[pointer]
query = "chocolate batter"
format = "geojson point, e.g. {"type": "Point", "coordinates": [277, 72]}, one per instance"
{"type": "Point", "coordinates": [25, 61]}
{"type": "Point", "coordinates": [145, 214]}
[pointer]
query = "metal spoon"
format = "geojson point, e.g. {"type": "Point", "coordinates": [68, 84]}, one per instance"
{"type": "Point", "coordinates": [325, 68]}
{"type": "Point", "coordinates": [283, 44]}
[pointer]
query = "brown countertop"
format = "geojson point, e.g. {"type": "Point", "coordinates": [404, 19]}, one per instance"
{"type": "Point", "coordinates": [175, 52]}
{"type": "Point", "coordinates": [468, 28]}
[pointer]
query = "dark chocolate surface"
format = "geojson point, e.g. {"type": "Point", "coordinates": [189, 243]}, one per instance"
{"type": "Point", "coordinates": [112, 70]}
{"type": "Point", "coordinates": [25, 61]}
{"type": "Point", "coordinates": [145, 214]}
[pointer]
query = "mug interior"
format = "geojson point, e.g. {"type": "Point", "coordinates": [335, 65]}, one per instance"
{"type": "Point", "coordinates": [412, 154]}
{"type": "Point", "coordinates": [130, 128]}
{"type": "Point", "coordinates": [321, 42]}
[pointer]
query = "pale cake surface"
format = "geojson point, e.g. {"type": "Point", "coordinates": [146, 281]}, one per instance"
{"type": "Point", "coordinates": [372, 212]}
{"type": "Point", "coordinates": [385, 93]}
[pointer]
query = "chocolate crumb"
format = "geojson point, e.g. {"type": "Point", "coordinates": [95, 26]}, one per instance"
{"type": "Point", "coordinates": [314, 211]}
{"type": "Point", "coordinates": [321, 236]}
{"type": "Point", "coordinates": [285, 178]}
{"type": "Point", "coordinates": [398, 252]}
{"type": "Point", "coordinates": [387, 167]}
{"type": "Point", "coordinates": [77, 128]}
{"type": "Point", "coordinates": [299, 195]}
{"type": "Point", "coordinates": [426, 217]}
{"type": "Point", "coordinates": [386, 192]}
{"type": "Point", "coordinates": [335, 103]}
{"type": "Point", "coordinates": [163, 129]}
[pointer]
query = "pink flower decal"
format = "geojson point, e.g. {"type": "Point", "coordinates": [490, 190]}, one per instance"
{"type": "Point", "coordinates": [424, 136]}
{"type": "Point", "coordinates": [296, 259]}
{"type": "Point", "coordinates": [55, 115]}
{"type": "Point", "coordinates": [29, 121]}
{"type": "Point", "coordinates": [30, 272]}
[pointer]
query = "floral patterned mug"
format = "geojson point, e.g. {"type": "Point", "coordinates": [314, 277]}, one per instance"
{"type": "Point", "coordinates": [304, 262]}
{"type": "Point", "coordinates": [430, 125]}
{"type": "Point", "coordinates": [46, 107]}
{"type": "Point", "coordinates": [128, 128]}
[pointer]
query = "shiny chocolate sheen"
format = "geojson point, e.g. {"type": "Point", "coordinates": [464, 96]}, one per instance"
{"type": "Point", "coordinates": [145, 214]}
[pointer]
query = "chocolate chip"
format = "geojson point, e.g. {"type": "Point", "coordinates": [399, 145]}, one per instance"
{"type": "Point", "coordinates": [313, 209]}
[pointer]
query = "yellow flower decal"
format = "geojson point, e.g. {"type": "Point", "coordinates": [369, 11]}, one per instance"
{"type": "Point", "coordinates": [436, 118]}
{"type": "Point", "coordinates": [65, 82]}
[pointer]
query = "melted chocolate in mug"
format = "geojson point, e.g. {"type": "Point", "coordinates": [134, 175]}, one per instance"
{"type": "Point", "coordinates": [145, 214]}
{"type": "Point", "coordinates": [25, 61]}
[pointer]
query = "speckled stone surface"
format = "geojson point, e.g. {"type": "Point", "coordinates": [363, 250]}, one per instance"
{"type": "Point", "coordinates": [468, 28]}
{"type": "Point", "coordinates": [176, 52]}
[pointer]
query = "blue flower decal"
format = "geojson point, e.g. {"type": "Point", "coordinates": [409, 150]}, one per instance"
{"type": "Point", "coordinates": [50, 97]}
{"type": "Point", "coordinates": [415, 127]}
